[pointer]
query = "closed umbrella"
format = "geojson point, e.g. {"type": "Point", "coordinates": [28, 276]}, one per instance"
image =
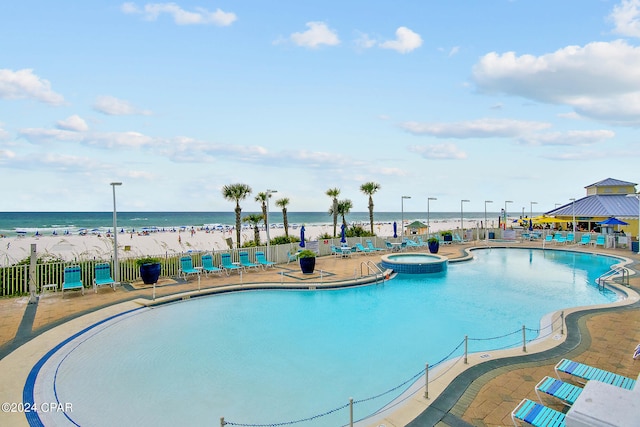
{"type": "Point", "coordinates": [343, 238]}
{"type": "Point", "coordinates": [302, 236]}
{"type": "Point", "coordinates": [395, 229]}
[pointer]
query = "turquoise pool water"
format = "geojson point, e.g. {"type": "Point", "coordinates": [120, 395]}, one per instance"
{"type": "Point", "coordinates": [277, 356]}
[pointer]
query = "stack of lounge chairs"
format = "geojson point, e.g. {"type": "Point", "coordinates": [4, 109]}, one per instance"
{"type": "Point", "coordinates": [539, 415]}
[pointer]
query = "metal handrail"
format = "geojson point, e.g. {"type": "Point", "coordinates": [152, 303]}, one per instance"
{"type": "Point", "coordinates": [611, 274]}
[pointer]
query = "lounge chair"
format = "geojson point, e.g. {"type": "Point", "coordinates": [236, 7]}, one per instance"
{"type": "Point", "coordinates": [102, 276]}
{"type": "Point", "coordinates": [245, 262]}
{"type": "Point", "coordinates": [228, 265]}
{"type": "Point", "coordinates": [72, 279]}
{"type": "Point", "coordinates": [338, 251]}
{"type": "Point", "coordinates": [565, 392]}
{"type": "Point", "coordinates": [571, 239]}
{"type": "Point", "coordinates": [410, 243]}
{"type": "Point", "coordinates": [586, 372]}
{"type": "Point", "coordinates": [559, 238]}
{"type": "Point", "coordinates": [421, 242]}
{"type": "Point", "coordinates": [186, 267]}
{"type": "Point", "coordinates": [457, 239]}
{"type": "Point", "coordinates": [389, 245]}
{"type": "Point", "coordinates": [599, 240]}
{"type": "Point", "coordinates": [207, 265]}
{"type": "Point", "coordinates": [586, 239]}
{"type": "Point", "coordinates": [537, 415]}
{"type": "Point", "coordinates": [548, 238]}
{"type": "Point", "coordinates": [263, 261]}
{"type": "Point", "coordinates": [292, 256]}
{"type": "Point", "coordinates": [371, 247]}
{"type": "Point", "coordinates": [361, 249]}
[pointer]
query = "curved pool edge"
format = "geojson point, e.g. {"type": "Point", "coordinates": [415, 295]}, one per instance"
{"type": "Point", "coordinates": [451, 384]}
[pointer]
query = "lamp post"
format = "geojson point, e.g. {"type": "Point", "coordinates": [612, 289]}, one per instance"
{"type": "Point", "coordinates": [428, 225]}
{"type": "Point", "coordinates": [573, 211]}
{"type": "Point", "coordinates": [486, 235]}
{"type": "Point", "coordinates": [505, 212]}
{"type": "Point", "coordinates": [637, 196]}
{"type": "Point", "coordinates": [402, 213]}
{"type": "Point", "coordinates": [462, 216]}
{"type": "Point", "coordinates": [266, 220]}
{"type": "Point", "coordinates": [116, 267]}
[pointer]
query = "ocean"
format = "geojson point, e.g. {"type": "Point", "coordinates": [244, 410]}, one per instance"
{"type": "Point", "coordinates": [46, 223]}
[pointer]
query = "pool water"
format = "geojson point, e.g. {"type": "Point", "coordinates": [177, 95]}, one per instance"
{"type": "Point", "coordinates": [277, 356]}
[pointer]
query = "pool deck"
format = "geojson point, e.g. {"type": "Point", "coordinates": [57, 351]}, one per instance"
{"type": "Point", "coordinates": [481, 394]}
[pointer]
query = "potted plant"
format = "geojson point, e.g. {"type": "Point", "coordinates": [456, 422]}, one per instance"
{"type": "Point", "coordinates": [447, 236]}
{"type": "Point", "coordinates": [307, 261]}
{"type": "Point", "coordinates": [434, 245]}
{"type": "Point", "coordinates": [149, 269]}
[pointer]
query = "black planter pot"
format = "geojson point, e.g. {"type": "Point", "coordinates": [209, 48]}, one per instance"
{"type": "Point", "coordinates": [448, 238]}
{"type": "Point", "coordinates": [307, 265]}
{"type": "Point", "coordinates": [434, 247]}
{"type": "Point", "coordinates": [150, 273]}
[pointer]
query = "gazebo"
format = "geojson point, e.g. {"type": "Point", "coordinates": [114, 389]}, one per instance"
{"type": "Point", "coordinates": [417, 227]}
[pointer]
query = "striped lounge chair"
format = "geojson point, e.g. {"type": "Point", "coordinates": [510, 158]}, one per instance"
{"type": "Point", "coordinates": [586, 373]}
{"type": "Point", "coordinates": [565, 392]}
{"type": "Point", "coordinates": [537, 415]}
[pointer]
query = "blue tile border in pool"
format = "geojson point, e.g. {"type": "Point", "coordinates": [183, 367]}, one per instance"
{"type": "Point", "coordinates": [433, 264]}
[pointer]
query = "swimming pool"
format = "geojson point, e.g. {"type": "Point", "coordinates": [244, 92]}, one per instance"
{"type": "Point", "coordinates": [278, 356]}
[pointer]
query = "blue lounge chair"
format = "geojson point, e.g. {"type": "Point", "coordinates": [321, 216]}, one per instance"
{"type": "Point", "coordinates": [410, 243]}
{"type": "Point", "coordinates": [292, 256]}
{"type": "Point", "coordinates": [548, 238]}
{"type": "Point", "coordinates": [559, 238]}
{"type": "Point", "coordinates": [72, 279]}
{"type": "Point", "coordinates": [207, 265]}
{"type": "Point", "coordinates": [586, 239]}
{"type": "Point", "coordinates": [571, 239]}
{"type": "Point", "coordinates": [371, 247]}
{"type": "Point", "coordinates": [537, 415]}
{"type": "Point", "coordinates": [245, 262]}
{"type": "Point", "coordinates": [228, 265]}
{"type": "Point", "coordinates": [421, 242]}
{"type": "Point", "coordinates": [457, 238]}
{"type": "Point", "coordinates": [102, 276]}
{"type": "Point", "coordinates": [263, 261]}
{"type": "Point", "coordinates": [586, 372]}
{"type": "Point", "coordinates": [186, 267]}
{"type": "Point", "coordinates": [565, 392]}
{"type": "Point", "coordinates": [362, 249]}
{"type": "Point", "coordinates": [599, 240]}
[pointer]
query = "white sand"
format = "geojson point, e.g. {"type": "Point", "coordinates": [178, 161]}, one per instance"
{"type": "Point", "coordinates": [76, 247]}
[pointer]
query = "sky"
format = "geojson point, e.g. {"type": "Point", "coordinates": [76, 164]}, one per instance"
{"type": "Point", "coordinates": [501, 100]}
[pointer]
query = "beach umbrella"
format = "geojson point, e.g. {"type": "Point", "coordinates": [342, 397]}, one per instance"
{"type": "Point", "coordinates": [343, 238]}
{"type": "Point", "coordinates": [395, 229]}
{"type": "Point", "coordinates": [613, 221]}
{"type": "Point", "coordinates": [302, 236]}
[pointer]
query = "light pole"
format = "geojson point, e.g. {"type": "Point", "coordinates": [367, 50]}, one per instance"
{"type": "Point", "coordinates": [428, 225]}
{"type": "Point", "coordinates": [116, 267]}
{"type": "Point", "coordinates": [505, 212]}
{"type": "Point", "coordinates": [402, 213]}
{"type": "Point", "coordinates": [573, 211]}
{"type": "Point", "coordinates": [531, 214]}
{"type": "Point", "coordinates": [462, 216]}
{"type": "Point", "coordinates": [266, 220]}
{"type": "Point", "coordinates": [486, 235]}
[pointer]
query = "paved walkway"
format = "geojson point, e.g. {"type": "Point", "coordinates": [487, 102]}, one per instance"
{"type": "Point", "coordinates": [482, 396]}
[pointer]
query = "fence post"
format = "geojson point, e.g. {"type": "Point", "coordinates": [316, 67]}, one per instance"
{"type": "Point", "coordinates": [32, 274]}
{"type": "Point", "coordinates": [466, 348]}
{"type": "Point", "coordinates": [222, 422]}
{"type": "Point", "coordinates": [562, 322]}
{"type": "Point", "coordinates": [524, 340]}
{"type": "Point", "coordinates": [426, 382]}
{"type": "Point", "coordinates": [351, 411]}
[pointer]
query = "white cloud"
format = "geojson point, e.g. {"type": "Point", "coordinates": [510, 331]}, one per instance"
{"type": "Point", "coordinates": [3, 134]}
{"type": "Point", "coordinates": [439, 151]}
{"type": "Point", "coordinates": [95, 139]}
{"type": "Point", "coordinates": [23, 84]}
{"type": "Point", "coordinates": [317, 34]}
{"type": "Point", "coordinates": [73, 123]}
{"type": "Point", "coordinates": [572, 138]}
{"type": "Point", "coordinates": [117, 107]}
{"type": "Point", "coordinates": [201, 16]}
{"type": "Point", "coordinates": [482, 128]}
{"type": "Point", "coordinates": [363, 41]}
{"type": "Point", "coordinates": [406, 41]}
{"type": "Point", "coordinates": [599, 80]}
{"type": "Point", "coordinates": [626, 18]}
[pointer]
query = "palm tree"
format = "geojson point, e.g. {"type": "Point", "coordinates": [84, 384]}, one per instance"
{"type": "Point", "coordinates": [344, 207]}
{"type": "Point", "coordinates": [236, 192]}
{"type": "Point", "coordinates": [370, 188]}
{"type": "Point", "coordinates": [262, 198]}
{"type": "Point", "coordinates": [283, 204]}
{"type": "Point", "coordinates": [254, 219]}
{"type": "Point", "coordinates": [334, 193]}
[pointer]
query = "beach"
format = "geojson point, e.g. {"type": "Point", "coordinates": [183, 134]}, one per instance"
{"type": "Point", "coordinates": [88, 246]}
